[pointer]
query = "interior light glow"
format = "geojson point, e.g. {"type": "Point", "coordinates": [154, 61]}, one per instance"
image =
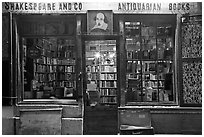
{"type": "Point", "coordinates": [97, 55]}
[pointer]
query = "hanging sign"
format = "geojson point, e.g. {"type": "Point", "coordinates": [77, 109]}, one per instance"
{"type": "Point", "coordinates": [34, 52]}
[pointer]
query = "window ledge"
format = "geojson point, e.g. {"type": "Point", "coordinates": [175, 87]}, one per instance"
{"type": "Point", "coordinates": [159, 107]}
{"type": "Point", "coordinates": [165, 109]}
{"type": "Point", "coordinates": [48, 102]}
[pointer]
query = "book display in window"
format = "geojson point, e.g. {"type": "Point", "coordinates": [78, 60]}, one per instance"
{"type": "Point", "coordinates": [101, 71]}
{"type": "Point", "coordinates": [54, 71]}
{"type": "Point", "coordinates": [149, 62]}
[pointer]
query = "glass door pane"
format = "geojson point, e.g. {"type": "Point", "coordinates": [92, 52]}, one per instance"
{"type": "Point", "coordinates": [101, 72]}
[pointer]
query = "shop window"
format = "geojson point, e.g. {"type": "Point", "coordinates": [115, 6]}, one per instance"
{"type": "Point", "coordinates": [48, 56]}
{"type": "Point", "coordinates": [149, 62]}
{"type": "Point", "coordinates": [49, 67]}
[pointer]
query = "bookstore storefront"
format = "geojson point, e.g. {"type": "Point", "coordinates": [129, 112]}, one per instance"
{"type": "Point", "coordinates": [120, 68]}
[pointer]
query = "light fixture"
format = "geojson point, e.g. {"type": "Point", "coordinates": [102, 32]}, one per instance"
{"type": "Point", "coordinates": [111, 55]}
{"type": "Point", "coordinates": [97, 55]}
{"type": "Point", "coordinates": [114, 48]}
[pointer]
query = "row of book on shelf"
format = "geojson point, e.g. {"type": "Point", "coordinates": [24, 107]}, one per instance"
{"type": "Point", "coordinates": [58, 54]}
{"type": "Point", "coordinates": [102, 68]}
{"type": "Point", "coordinates": [102, 76]}
{"type": "Point", "coordinates": [53, 68]}
{"type": "Point", "coordinates": [108, 92]}
{"type": "Point", "coordinates": [54, 77]}
{"type": "Point", "coordinates": [153, 84]}
{"type": "Point", "coordinates": [135, 28]}
{"type": "Point", "coordinates": [51, 43]}
{"type": "Point", "coordinates": [67, 84]}
{"type": "Point", "coordinates": [145, 66]}
{"type": "Point", "coordinates": [144, 41]}
{"type": "Point", "coordinates": [56, 47]}
{"type": "Point", "coordinates": [108, 76]}
{"type": "Point", "coordinates": [153, 76]}
{"type": "Point", "coordinates": [161, 53]}
{"type": "Point", "coordinates": [108, 99]}
{"type": "Point", "coordinates": [54, 61]}
{"type": "Point", "coordinates": [108, 84]}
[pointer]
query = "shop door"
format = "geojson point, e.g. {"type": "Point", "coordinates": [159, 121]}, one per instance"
{"type": "Point", "coordinates": [100, 86]}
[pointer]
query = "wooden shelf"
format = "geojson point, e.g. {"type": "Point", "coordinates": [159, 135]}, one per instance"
{"type": "Point", "coordinates": [107, 72]}
{"type": "Point", "coordinates": [108, 80]}
{"type": "Point", "coordinates": [108, 87]}
{"type": "Point", "coordinates": [110, 103]}
{"type": "Point", "coordinates": [108, 95]}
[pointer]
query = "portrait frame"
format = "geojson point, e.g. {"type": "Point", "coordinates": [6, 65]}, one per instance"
{"type": "Point", "coordinates": [106, 27]}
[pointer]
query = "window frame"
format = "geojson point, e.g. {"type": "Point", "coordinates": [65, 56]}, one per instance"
{"type": "Point", "coordinates": [18, 19]}
{"type": "Point", "coordinates": [144, 17]}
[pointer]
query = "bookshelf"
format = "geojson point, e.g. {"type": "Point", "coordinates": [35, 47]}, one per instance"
{"type": "Point", "coordinates": [55, 68]}
{"type": "Point", "coordinates": [149, 62]}
{"type": "Point", "coordinates": [101, 70]}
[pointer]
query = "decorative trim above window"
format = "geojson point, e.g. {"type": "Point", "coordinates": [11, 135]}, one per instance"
{"type": "Point", "coordinates": [191, 51]}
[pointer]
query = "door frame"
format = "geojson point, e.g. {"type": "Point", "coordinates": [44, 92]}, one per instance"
{"type": "Point", "coordinates": [95, 38]}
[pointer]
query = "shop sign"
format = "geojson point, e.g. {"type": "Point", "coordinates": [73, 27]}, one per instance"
{"type": "Point", "coordinates": [34, 52]}
{"type": "Point", "coordinates": [158, 8]}
{"type": "Point", "coordinates": [100, 22]}
{"type": "Point", "coordinates": [42, 7]}
{"type": "Point", "coordinates": [139, 6]}
{"type": "Point", "coordinates": [120, 8]}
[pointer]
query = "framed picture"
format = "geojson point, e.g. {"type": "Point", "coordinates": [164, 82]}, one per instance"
{"type": "Point", "coordinates": [100, 22]}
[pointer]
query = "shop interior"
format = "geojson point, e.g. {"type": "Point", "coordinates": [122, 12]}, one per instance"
{"type": "Point", "coordinates": [49, 68]}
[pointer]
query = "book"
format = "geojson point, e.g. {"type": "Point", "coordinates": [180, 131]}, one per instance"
{"type": "Point", "coordinates": [145, 54]}
{"type": "Point", "coordinates": [129, 55]}
{"type": "Point", "coordinates": [129, 67]}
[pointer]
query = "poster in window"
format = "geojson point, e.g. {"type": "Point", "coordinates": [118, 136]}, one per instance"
{"type": "Point", "coordinates": [100, 22]}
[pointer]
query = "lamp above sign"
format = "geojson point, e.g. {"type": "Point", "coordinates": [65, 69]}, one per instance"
{"type": "Point", "coordinates": [100, 22]}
